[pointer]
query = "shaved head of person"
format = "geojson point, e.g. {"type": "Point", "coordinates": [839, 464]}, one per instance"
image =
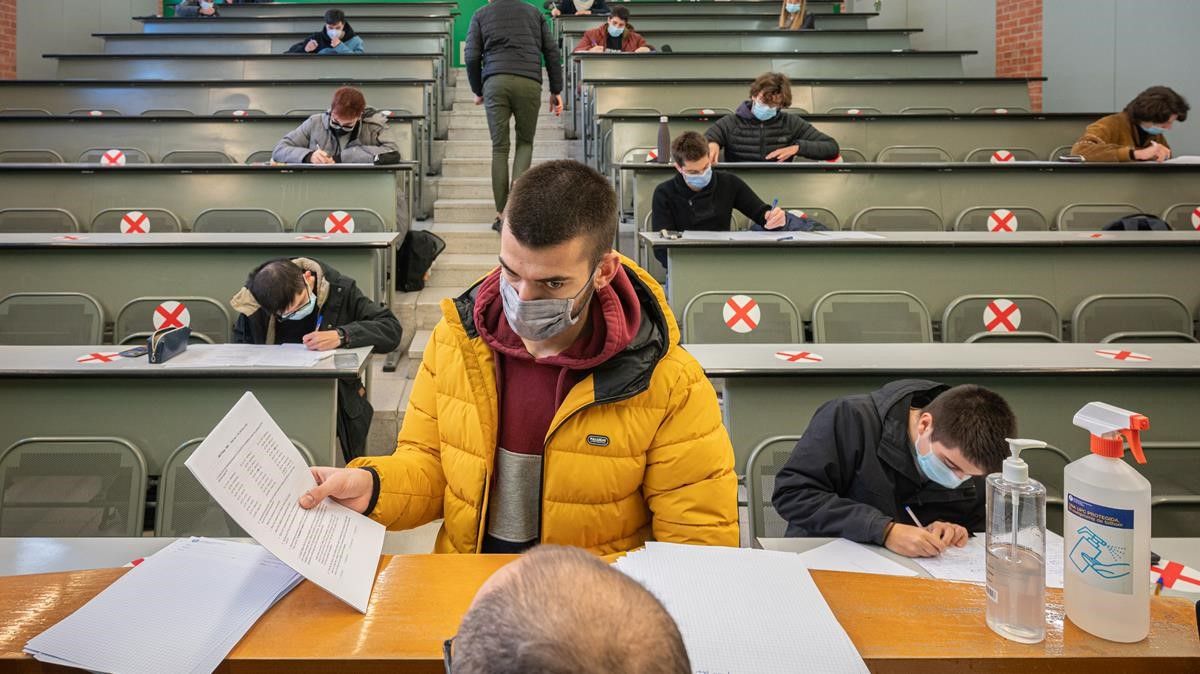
{"type": "Point", "coordinates": [562, 610]}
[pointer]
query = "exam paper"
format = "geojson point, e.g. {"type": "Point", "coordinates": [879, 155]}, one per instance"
{"type": "Point", "coordinates": [248, 464]}
{"type": "Point", "coordinates": [845, 555]}
{"type": "Point", "coordinates": [248, 355]}
{"type": "Point", "coordinates": [701, 235]}
{"type": "Point", "coordinates": [969, 563]}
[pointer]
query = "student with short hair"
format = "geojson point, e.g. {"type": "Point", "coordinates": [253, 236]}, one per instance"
{"type": "Point", "coordinates": [614, 35]}
{"type": "Point", "coordinates": [348, 133]}
{"type": "Point", "coordinates": [760, 130]}
{"type": "Point", "coordinates": [581, 7]}
{"type": "Point", "coordinates": [913, 443]}
{"type": "Point", "coordinates": [202, 9]}
{"type": "Point", "coordinates": [1137, 132]}
{"type": "Point", "coordinates": [337, 36]}
{"type": "Point", "coordinates": [554, 403]}
{"type": "Point", "coordinates": [529, 616]}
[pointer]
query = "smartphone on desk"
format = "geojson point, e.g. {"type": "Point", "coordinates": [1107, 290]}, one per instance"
{"type": "Point", "coordinates": [345, 360]}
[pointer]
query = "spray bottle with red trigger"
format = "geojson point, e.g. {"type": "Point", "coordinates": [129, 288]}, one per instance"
{"type": "Point", "coordinates": [1106, 528]}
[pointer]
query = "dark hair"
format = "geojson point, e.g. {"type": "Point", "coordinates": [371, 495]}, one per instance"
{"type": "Point", "coordinates": [1156, 105]}
{"type": "Point", "coordinates": [688, 146]}
{"type": "Point", "coordinates": [975, 420]}
{"type": "Point", "coordinates": [537, 620]}
{"type": "Point", "coordinates": [557, 201]}
{"type": "Point", "coordinates": [621, 13]}
{"type": "Point", "coordinates": [276, 284]}
{"type": "Point", "coordinates": [348, 102]}
{"type": "Point", "coordinates": [773, 86]}
{"type": "Point", "coordinates": [333, 16]}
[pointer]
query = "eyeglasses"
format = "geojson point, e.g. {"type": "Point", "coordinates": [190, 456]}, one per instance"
{"type": "Point", "coordinates": [288, 314]}
{"type": "Point", "coordinates": [447, 653]}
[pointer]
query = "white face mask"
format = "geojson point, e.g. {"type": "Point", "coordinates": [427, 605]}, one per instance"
{"type": "Point", "coordinates": [205, 5]}
{"type": "Point", "coordinates": [333, 33]}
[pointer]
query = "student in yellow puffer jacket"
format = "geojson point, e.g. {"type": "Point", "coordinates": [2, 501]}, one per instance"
{"type": "Point", "coordinates": [554, 403]}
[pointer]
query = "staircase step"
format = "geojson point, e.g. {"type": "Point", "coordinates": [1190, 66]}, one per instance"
{"type": "Point", "coordinates": [472, 238]}
{"type": "Point", "coordinates": [475, 167]}
{"type": "Point", "coordinates": [460, 270]}
{"type": "Point", "coordinates": [429, 305]}
{"type": "Point", "coordinates": [416, 351]}
{"type": "Point", "coordinates": [463, 210]}
{"type": "Point", "coordinates": [464, 188]}
{"type": "Point", "coordinates": [404, 305]}
{"type": "Point", "coordinates": [478, 120]}
{"type": "Point", "coordinates": [543, 148]}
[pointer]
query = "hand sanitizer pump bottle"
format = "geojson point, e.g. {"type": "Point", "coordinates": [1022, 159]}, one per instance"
{"type": "Point", "coordinates": [1016, 549]}
{"type": "Point", "coordinates": [1106, 528]}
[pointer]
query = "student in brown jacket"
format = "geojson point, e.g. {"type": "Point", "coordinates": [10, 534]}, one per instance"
{"type": "Point", "coordinates": [791, 14]}
{"type": "Point", "coordinates": [614, 35]}
{"type": "Point", "coordinates": [1137, 132]}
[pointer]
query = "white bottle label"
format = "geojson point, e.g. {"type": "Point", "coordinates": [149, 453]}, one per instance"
{"type": "Point", "coordinates": [1100, 545]}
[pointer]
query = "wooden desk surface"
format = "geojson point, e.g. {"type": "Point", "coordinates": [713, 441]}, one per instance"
{"type": "Point", "coordinates": [898, 624]}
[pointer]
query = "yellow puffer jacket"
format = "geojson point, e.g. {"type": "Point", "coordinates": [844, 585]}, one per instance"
{"type": "Point", "coordinates": [636, 452]}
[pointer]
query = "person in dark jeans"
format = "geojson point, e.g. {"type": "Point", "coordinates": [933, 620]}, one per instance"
{"type": "Point", "coordinates": [761, 131]}
{"type": "Point", "coordinates": [506, 43]}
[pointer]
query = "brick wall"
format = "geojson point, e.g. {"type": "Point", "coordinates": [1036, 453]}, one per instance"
{"type": "Point", "coordinates": [8, 48]}
{"type": "Point", "coordinates": [1019, 43]}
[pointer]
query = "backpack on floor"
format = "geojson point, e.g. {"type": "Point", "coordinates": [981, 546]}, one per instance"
{"type": "Point", "coordinates": [415, 257]}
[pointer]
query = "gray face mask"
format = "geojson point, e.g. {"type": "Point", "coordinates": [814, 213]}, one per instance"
{"type": "Point", "coordinates": [539, 320]}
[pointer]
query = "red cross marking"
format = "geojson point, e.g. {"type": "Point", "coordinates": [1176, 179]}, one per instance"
{"type": "Point", "coordinates": [170, 317]}
{"type": "Point", "coordinates": [135, 222]}
{"type": "Point", "coordinates": [339, 222]}
{"type": "Point", "coordinates": [97, 358]}
{"type": "Point", "coordinates": [112, 158]}
{"type": "Point", "coordinates": [1001, 321]}
{"type": "Point", "coordinates": [1002, 157]}
{"type": "Point", "coordinates": [1123, 355]}
{"type": "Point", "coordinates": [798, 356]}
{"type": "Point", "coordinates": [1002, 220]}
{"type": "Point", "coordinates": [311, 237]}
{"type": "Point", "coordinates": [1172, 573]}
{"type": "Point", "coordinates": [1196, 218]}
{"type": "Point", "coordinates": [739, 314]}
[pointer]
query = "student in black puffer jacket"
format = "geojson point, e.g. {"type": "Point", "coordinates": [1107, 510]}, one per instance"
{"type": "Point", "coordinates": [761, 131]}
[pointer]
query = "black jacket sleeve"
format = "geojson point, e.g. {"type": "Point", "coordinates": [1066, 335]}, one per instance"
{"type": "Point", "coordinates": [720, 131]}
{"type": "Point", "coordinates": [812, 143]}
{"type": "Point", "coordinates": [552, 58]}
{"type": "Point", "coordinates": [808, 487]}
{"type": "Point", "coordinates": [473, 56]}
{"type": "Point", "coordinates": [746, 201]}
{"type": "Point", "coordinates": [241, 330]}
{"type": "Point", "coordinates": [370, 324]}
{"type": "Point", "coordinates": [661, 215]}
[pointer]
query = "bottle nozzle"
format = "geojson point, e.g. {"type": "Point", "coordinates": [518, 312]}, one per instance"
{"type": "Point", "coordinates": [1015, 469]}
{"type": "Point", "coordinates": [1110, 427]}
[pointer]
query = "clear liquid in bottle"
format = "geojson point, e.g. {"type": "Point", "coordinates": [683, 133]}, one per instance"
{"type": "Point", "coordinates": [1016, 596]}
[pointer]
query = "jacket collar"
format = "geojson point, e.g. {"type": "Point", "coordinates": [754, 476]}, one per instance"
{"type": "Point", "coordinates": [246, 304]}
{"type": "Point", "coordinates": [892, 404]}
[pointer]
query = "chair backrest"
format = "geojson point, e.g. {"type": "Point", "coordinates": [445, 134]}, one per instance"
{"type": "Point", "coordinates": [135, 221]}
{"type": "Point", "coordinates": [340, 221]}
{"type": "Point", "coordinates": [240, 112]}
{"type": "Point", "coordinates": [761, 468]}
{"type": "Point", "coordinates": [260, 157]}
{"type": "Point", "coordinates": [1101, 318]}
{"type": "Point", "coordinates": [245, 220]}
{"type": "Point", "coordinates": [849, 154]}
{"type": "Point", "coordinates": [1001, 155]}
{"type": "Point", "coordinates": [926, 110]}
{"type": "Point", "coordinates": [94, 155]}
{"type": "Point", "coordinates": [741, 317]}
{"type": "Point", "coordinates": [1175, 515]}
{"type": "Point", "coordinates": [1060, 151]}
{"type": "Point", "coordinates": [37, 221]}
{"type": "Point", "coordinates": [32, 156]}
{"type": "Point", "coordinates": [46, 319]}
{"type": "Point", "coordinates": [897, 219]}
{"type": "Point", "coordinates": [1092, 217]}
{"type": "Point", "coordinates": [25, 112]}
{"type": "Point", "coordinates": [197, 157]}
{"type": "Point", "coordinates": [992, 110]}
{"type": "Point", "coordinates": [204, 315]}
{"type": "Point", "coordinates": [96, 112]}
{"type": "Point", "coordinates": [308, 112]}
{"type": "Point", "coordinates": [72, 486]}
{"type": "Point", "coordinates": [895, 154]}
{"type": "Point", "coordinates": [1001, 220]}
{"type": "Point", "coordinates": [822, 215]}
{"type": "Point", "coordinates": [1183, 216]}
{"type": "Point", "coordinates": [972, 318]}
{"type": "Point", "coordinates": [853, 110]}
{"type": "Point", "coordinates": [871, 317]}
{"type": "Point", "coordinates": [167, 112]}
{"type": "Point", "coordinates": [708, 112]}
{"type": "Point", "coordinates": [185, 507]}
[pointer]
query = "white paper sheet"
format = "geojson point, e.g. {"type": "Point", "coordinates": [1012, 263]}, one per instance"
{"type": "Point", "coordinates": [248, 464]}
{"type": "Point", "coordinates": [248, 355]}
{"type": "Point", "coordinates": [1185, 159]}
{"type": "Point", "coordinates": [183, 609]}
{"type": "Point", "coordinates": [845, 555]}
{"type": "Point", "coordinates": [743, 611]}
{"type": "Point", "coordinates": [969, 563]}
{"type": "Point", "coordinates": [749, 236]}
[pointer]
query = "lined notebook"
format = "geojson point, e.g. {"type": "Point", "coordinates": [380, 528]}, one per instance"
{"type": "Point", "coordinates": [181, 610]}
{"type": "Point", "coordinates": [744, 611]}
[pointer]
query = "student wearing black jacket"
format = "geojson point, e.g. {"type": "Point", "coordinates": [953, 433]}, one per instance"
{"type": "Point", "coordinates": [913, 443]}
{"type": "Point", "coordinates": [305, 301]}
{"type": "Point", "coordinates": [336, 37]}
{"type": "Point", "coordinates": [761, 131]}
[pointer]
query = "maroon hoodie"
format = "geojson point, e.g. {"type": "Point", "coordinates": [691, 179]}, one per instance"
{"type": "Point", "coordinates": [530, 392]}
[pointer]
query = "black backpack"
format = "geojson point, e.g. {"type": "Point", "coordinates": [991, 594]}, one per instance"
{"type": "Point", "coordinates": [1138, 222]}
{"type": "Point", "coordinates": [415, 257]}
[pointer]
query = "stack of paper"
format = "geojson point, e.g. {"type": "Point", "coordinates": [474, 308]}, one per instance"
{"type": "Point", "coordinates": [181, 610]}
{"type": "Point", "coordinates": [846, 555]}
{"type": "Point", "coordinates": [969, 563]}
{"type": "Point", "coordinates": [742, 610]}
{"type": "Point", "coordinates": [247, 355]}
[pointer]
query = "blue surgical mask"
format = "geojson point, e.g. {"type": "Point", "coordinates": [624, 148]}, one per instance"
{"type": "Point", "coordinates": [614, 31]}
{"type": "Point", "coordinates": [761, 111]}
{"type": "Point", "coordinates": [206, 5]}
{"type": "Point", "coordinates": [792, 9]}
{"type": "Point", "coordinates": [540, 320]}
{"type": "Point", "coordinates": [698, 182]}
{"type": "Point", "coordinates": [1154, 130]}
{"type": "Point", "coordinates": [304, 311]}
{"type": "Point", "coordinates": [933, 468]}
{"type": "Point", "coordinates": [333, 33]}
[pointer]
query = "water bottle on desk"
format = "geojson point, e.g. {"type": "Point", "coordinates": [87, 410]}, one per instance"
{"type": "Point", "coordinates": [1016, 549]}
{"type": "Point", "coordinates": [664, 141]}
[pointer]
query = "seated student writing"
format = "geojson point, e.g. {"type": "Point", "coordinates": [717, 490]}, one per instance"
{"type": "Point", "coordinates": [581, 7]}
{"type": "Point", "coordinates": [614, 35]}
{"type": "Point", "coordinates": [348, 133]}
{"type": "Point", "coordinates": [913, 443]}
{"type": "Point", "coordinates": [1137, 132]}
{"type": "Point", "coordinates": [335, 37]}
{"type": "Point", "coordinates": [761, 131]}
